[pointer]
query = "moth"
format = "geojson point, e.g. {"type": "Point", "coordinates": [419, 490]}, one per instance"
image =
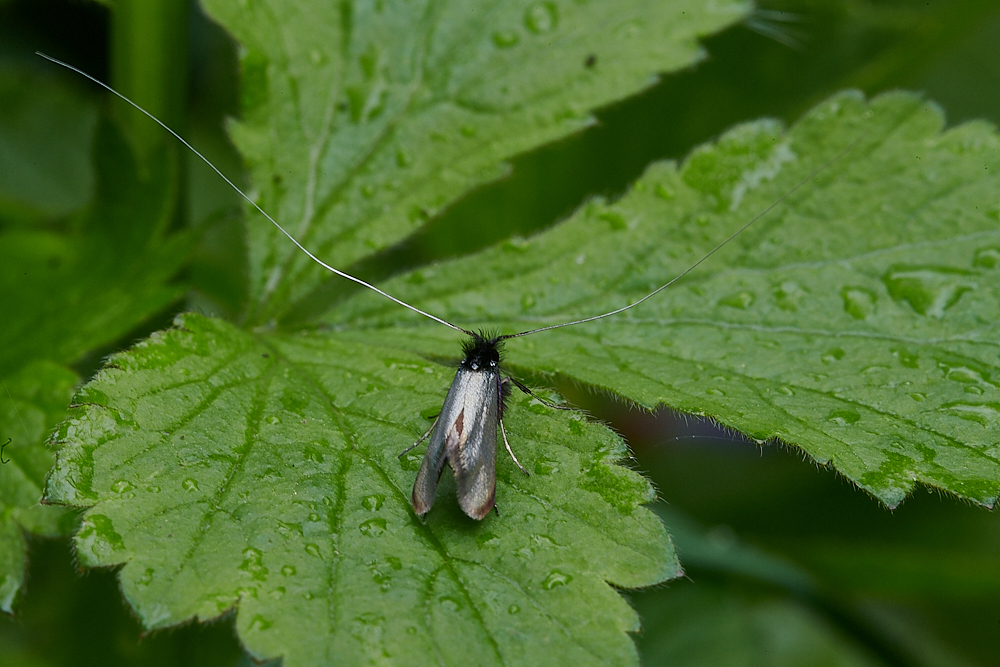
{"type": "Point", "coordinates": [464, 435]}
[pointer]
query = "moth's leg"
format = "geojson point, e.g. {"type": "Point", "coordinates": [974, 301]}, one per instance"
{"type": "Point", "coordinates": [509, 450]}
{"type": "Point", "coordinates": [533, 394]}
{"type": "Point", "coordinates": [422, 438]}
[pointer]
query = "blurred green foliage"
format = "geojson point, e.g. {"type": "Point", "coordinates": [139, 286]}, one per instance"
{"type": "Point", "coordinates": [787, 564]}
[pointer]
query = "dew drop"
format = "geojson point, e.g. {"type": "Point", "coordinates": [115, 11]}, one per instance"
{"type": "Point", "coordinates": [786, 390]}
{"type": "Point", "coordinates": [859, 302]}
{"type": "Point", "coordinates": [741, 300]}
{"type": "Point", "coordinates": [664, 193]}
{"type": "Point", "coordinates": [712, 391]}
{"type": "Point", "coordinates": [545, 467]}
{"type": "Point", "coordinates": [928, 290]}
{"type": "Point", "coordinates": [986, 414]}
{"type": "Point", "coordinates": [253, 563]}
{"type": "Point", "coordinates": [545, 541]}
{"type": "Point", "coordinates": [987, 258]}
{"type": "Point", "coordinates": [965, 373]}
{"type": "Point", "coordinates": [411, 462]}
{"type": "Point", "coordinates": [556, 579]}
{"type": "Point", "coordinates": [541, 17]}
{"type": "Point", "coordinates": [907, 358]}
{"type": "Point", "coordinates": [373, 502]}
{"type": "Point", "coordinates": [513, 609]}
{"type": "Point", "coordinates": [505, 39]}
{"type": "Point", "coordinates": [450, 603]}
{"type": "Point", "coordinates": [189, 485]}
{"type": "Point", "coordinates": [918, 397]}
{"type": "Point", "coordinates": [313, 517]}
{"type": "Point", "coordinates": [312, 550]}
{"type": "Point", "coordinates": [288, 570]}
{"type": "Point", "coordinates": [372, 527]}
{"type": "Point", "coordinates": [487, 539]}
{"type": "Point", "coordinates": [832, 355]}
{"type": "Point", "coordinates": [527, 301]}
{"type": "Point", "coordinates": [147, 577]}
{"type": "Point", "coordinates": [121, 486]}
{"type": "Point", "coordinates": [789, 295]}
{"type": "Point", "coordinates": [153, 489]}
{"type": "Point", "coordinates": [260, 623]}
{"type": "Point", "coordinates": [843, 417]}
{"type": "Point", "coordinates": [615, 219]}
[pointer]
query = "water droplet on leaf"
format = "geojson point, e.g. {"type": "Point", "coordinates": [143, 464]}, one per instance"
{"type": "Point", "coordinates": [372, 527]}
{"type": "Point", "coordinates": [541, 17]}
{"type": "Point", "coordinates": [928, 290]}
{"type": "Point", "coordinates": [505, 39]}
{"type": "Point", "coordinates": [373, 502]}
{"type": "Point", "coordinates": [556, 579]}
{"type": "Point", "coordinates": [843, 417]}
{"type": "Point", "coordinates": [859, 302]}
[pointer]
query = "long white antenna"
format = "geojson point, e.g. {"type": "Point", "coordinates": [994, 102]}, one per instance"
{"type": "Point", "coordinates": [711, 252]}
{"type": "Point", "coordinates": [251, 201]}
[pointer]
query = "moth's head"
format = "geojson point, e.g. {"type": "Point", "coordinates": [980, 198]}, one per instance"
{"type": "Point", "coordinates": [482, 351]}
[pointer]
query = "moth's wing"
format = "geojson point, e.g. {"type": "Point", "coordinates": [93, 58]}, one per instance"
{"type": "Point", "coordinates": [425, 486]}
{"type": "Point", "coordinates": [473, 456]}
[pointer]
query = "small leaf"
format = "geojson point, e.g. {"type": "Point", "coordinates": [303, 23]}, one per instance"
{"type": "Point", "coordinates": [64, 293]}
{"type": "Point", "coordinates": [223, 467]}
{"type": "Point", "coordinates": [32, 401]}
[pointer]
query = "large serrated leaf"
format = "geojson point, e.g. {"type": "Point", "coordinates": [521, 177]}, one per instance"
{"type": "Point", "coordinates": [857, 321]}
{"type": "Point", "coordinates": [225, 467]}
{"type": "Point", "coordinates": [361, 120]}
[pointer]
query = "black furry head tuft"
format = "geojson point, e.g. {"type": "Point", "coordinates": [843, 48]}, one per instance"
{"type": "Point", "coordinates": [482, 351]}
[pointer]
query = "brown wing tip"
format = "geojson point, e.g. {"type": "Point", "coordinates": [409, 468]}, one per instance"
{"type": "Point", "coordinates": [479, 512]}
{"type": "Point", "coordinates": [419, 506]}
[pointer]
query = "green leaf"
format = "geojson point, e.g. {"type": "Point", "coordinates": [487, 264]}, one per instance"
{"type": "Point", "coordinates": [226, 467]}
{"type": "Point", "coordinates": [66, 292]}
{"type": "Point", "coordinates": [706, 623]}
{"type": "Point", "coordinates": [856, 320]}
{"type": "Point", "coordinates": [66, 289]}
{"type": "Point", "coordinates": [32, 402]}
{"type": "Point", "coordinates": [46, 134]}
{"type": "Point", "coordinates": [747, 606]}
{"type": "Point", "coordinates": [362, 122]}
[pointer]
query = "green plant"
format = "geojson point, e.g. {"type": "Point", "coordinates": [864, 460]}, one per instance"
{"type": "Point", "coordinates": [247, 459]}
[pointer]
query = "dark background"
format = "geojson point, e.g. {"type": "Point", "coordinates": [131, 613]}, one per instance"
{"type": "Point", "coordinates": [787, 563]}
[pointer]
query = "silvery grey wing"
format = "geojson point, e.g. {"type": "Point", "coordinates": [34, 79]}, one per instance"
{"type": "Point", "coordinates": [470, 392]}
{"type": "Point", "coordinates": [473, 458]}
